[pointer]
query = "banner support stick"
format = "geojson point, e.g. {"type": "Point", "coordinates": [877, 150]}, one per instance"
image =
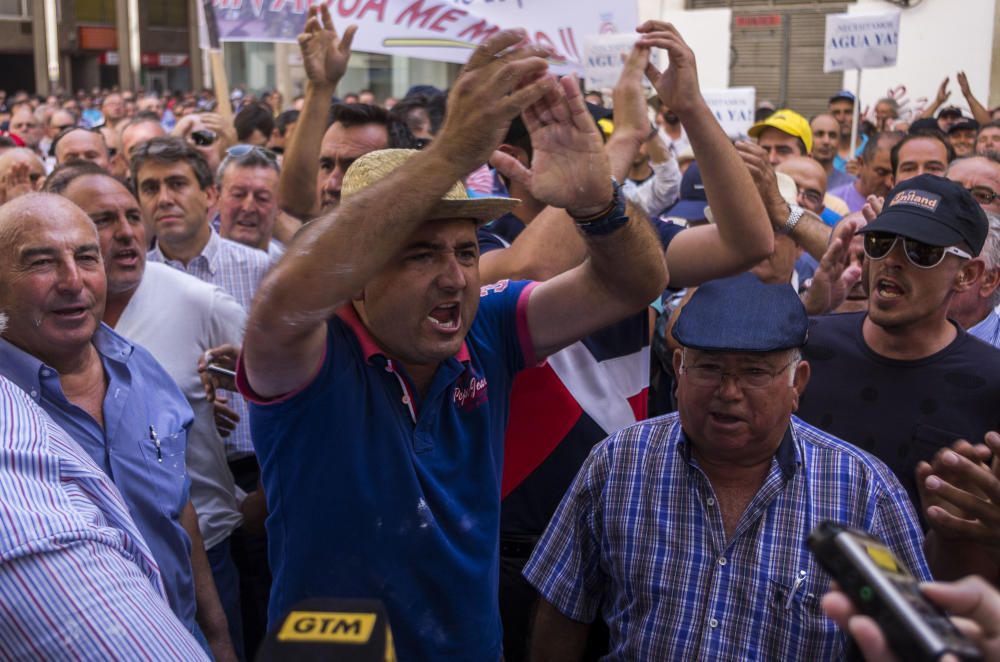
{"type": "Point", "coordinates": [855, 117]}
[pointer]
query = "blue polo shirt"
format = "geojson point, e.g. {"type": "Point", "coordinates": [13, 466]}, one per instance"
{"type": "Point", "coordinates": [154, 483]}
{"type": "Point", "coordinates": [374, 492]}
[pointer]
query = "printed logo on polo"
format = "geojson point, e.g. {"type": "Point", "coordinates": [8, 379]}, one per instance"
{"type": "Point", "coordinates": [496, 287]}
{"type": "Point", "coordinates": [917, 198]}
{"type": "Point", "coordinates": [470, 393]}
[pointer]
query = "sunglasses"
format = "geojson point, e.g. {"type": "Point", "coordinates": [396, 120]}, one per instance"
{"type": "Point", "coordinates": [984, 195]}
{"type": "Point", "coordinates": [203, 138]}
{"type": "Point", "coordinates": [239, 151]}
{"type": "Point", "coordinates": [925, 256]}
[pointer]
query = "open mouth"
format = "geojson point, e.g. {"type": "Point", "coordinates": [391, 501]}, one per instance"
{"type": "Point", "coordinates": [70, 312]}
{"type": "Point", "coordinates": [725, 419]}
{"type": "Point", "coordinates": [445, 317]}
{"type": "Point", "coordinates": [888, 290]}
{"type": "Point", "coordinates": [127, 257]}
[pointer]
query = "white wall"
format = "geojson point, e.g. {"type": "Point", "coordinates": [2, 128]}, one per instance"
{"type": "Point", "coordinates": [936, 39]}
{"type": "Point", "coordinates": [705, 30]}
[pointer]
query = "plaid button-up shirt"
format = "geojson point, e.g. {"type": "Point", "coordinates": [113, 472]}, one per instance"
{"type": "Point", "coordinates": [640, 536]}
{"type": "Point", "coordinates": [238, 270]}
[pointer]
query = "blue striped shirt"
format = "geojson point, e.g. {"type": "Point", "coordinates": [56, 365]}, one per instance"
{"type": "Point", "coordinates": [237, 270]}
{"type": "Point", "coordinates": [988, 330]}
{"type": "Point", "coordinates": [77, 580]}
{"type": "Point", "coordinates": [640, 536]}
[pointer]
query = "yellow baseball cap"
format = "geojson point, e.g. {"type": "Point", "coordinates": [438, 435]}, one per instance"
{"type": "Point", "coordinates": [788, 121]}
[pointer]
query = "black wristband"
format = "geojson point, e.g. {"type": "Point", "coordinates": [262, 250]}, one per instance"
{"type": "Point", "coordinates": [611, 220]}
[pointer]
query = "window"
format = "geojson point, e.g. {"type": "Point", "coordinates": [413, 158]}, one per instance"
{"type": "Point", "coordinates": [15, 9]}
{"type": "Point", "coordinates": [168, 14]}
{"type": "Point", "coordinates": [95, 11]}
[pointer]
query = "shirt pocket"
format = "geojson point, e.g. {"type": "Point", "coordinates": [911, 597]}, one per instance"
{"type": "Point", "coordinates": [798, 624]}
{"type": "Point", "coordinates": [167, 469]}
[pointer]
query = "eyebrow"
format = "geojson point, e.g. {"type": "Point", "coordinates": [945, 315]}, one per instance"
{"type": "Point", "coordinates": [29, 253]}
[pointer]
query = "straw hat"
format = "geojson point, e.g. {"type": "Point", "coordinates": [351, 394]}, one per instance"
{"type": "Point", "coordinates": [456, 203]}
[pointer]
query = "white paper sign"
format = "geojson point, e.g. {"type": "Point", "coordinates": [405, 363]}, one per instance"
{"type": "Point", "coordinates": [860, 41]}
{"type": "Point", "coordinates": [733, 107]}
{"type": "Point", "coordinates": [602, 58]}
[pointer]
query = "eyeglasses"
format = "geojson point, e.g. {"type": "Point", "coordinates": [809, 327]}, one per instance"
{"type": "Point", "coordinates": [925, 256]}
{"type": "Point", "coordinates": [811, 196]}
{"type": "Point", "coordinates": [203, 138]}
{"type": "Point", "coordinates": [240, 151]}
{"type": "Point", "coordinates": [711, 376]}
{"type": "Point", "coordinates": [984, 195]}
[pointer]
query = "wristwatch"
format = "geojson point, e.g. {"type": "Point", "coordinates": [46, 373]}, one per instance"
{"type": "Point", "coordinates": [794, 216]}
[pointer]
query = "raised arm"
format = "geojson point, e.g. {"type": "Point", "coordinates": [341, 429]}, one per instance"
{"type": "Point", "coordinates": [571, 170]}
{"type": "Point", "coordinates": [939, 99]}
{"type": "Point", "coordinates": [325, 58]}
{"type": "Point", "coordinates": [742, 234]}
{"type": "Point", "coordinates": [979, 111]}
{"type": "Point", "coordinates": [334, 257]}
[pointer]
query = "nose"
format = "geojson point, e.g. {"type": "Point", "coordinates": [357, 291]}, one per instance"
{"type": "Point", "coordinates": [729, 388]}
{"type": "Point", "coordinates": [452, 275]}
{"type": "Point", "coordinates": [70, 279]}
{"type": "Point", "coordinates": [248, 203]}
{"type": "Point", "coordinates": [772, 155]}
{"type": "Point", "coordinates": [334, 181]}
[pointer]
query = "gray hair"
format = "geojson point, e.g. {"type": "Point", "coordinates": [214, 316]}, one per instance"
{"type": "Point", "coordinates": [991, 252]}
{"type": "Point", "coordinates": [257, 157]}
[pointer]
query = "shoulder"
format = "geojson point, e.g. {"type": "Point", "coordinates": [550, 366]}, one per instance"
{"type": "Point", "coordinates": [235, 251]}
{"type": "Point", "coordinates": [827, 452]}
{"type": "Point", "coordinates": [174, 283]}
{"type": "Point", "coordinates": [638, 444]}
{"type": "Point", "coordinates": [833, 326]}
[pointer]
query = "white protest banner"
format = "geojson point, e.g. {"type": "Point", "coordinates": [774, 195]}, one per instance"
{"type": "Point", "coordinates": [602, 59]}
{"type": "Point", "coordinates": [733, 107]}
{"type": "Point", "coordinates": [859, 41]}
{"type": "Point", "coordinates": [444, 30]}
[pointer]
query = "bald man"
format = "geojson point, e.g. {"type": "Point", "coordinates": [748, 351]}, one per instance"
{"type": "Point", "coordinates": [21, 171]}
{"type": "Point", "coordinates": [811, 180]}
{"type": "Point", "coordinates": [826, 142]}
{"type": "Point", "coordinates": [111, 396]}
{"type": "Point", "coordinates": [82, 145]}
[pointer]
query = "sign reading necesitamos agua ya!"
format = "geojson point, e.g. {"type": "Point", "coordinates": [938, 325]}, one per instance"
{"type": "Point", "coordinates": [860, 41]}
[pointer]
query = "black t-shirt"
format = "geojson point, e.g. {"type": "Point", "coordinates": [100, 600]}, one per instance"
{"type": "Point", "coordinates": [900, 411]}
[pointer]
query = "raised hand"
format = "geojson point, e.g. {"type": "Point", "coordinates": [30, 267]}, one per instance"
{"type": "Point", "coordinates": [837, 272]}
{"type": "Point", "coordinates": [324, 54]}
{"type": "Point", "coordinates": [630, 116]}
{"type": "Point", "coordinates": [963, 84]}
{"type": "Point", "coordinates": [755, 158]}
{"type": "Point", "coordinates": [942, 93]}
{"type": "Point", "coordinates": [677, 85]}
{"type": "Point", "coordinates": [569, 167]}
{"type": "Point", "coordinates": [504, 76]}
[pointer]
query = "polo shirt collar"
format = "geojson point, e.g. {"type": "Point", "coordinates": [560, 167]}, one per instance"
{"type": "Point", "coordinates": [210, 253]}
{"type": "Point", "coordinates": [787, 455]}
{"type": "Point", "coordinates": [369, 347]}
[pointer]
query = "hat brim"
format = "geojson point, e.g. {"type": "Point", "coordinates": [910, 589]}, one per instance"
{"type": "Point", "coordinates": [690, 210]}
{"type": "Point", "coordinates": [482, 210]}
{"type": "Point", "coordinates": [914, 226]}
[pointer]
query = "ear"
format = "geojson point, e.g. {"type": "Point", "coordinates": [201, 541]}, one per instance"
{"type": "Point", "coordinates": [989, 283]}
{"type": "Point", "coordinates": [802, 374]}
{"type": "Point", "coordinates": [211, 194]}
{"type": "Point", "coordinates": [677, 361]}
{"type": "Point", "coordinates": [969, 274]}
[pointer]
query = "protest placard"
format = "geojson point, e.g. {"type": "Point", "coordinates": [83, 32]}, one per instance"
{"type": "Point", "coordinates": [733, 107]}
{"type": "Point", "coordinates": [859, 41]}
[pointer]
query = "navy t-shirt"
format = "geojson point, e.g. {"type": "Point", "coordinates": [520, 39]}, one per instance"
{"type": "Point", "coordinates": [900, 411]}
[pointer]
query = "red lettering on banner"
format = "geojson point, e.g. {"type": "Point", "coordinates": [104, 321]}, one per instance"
{"type": "Point", "coordinates": [569, 43]}
{"type": "Point", "coordinates": [449, 16]}
{"type": "Point", "coordinates": [542, 39]}
{"type": "Point", "coordinates": [377, 6]}
{"type": "Point", "coordinates": [480, 31]}
{"type": "Point", "coordinates": [343, 11]}
{"type": "Point", "coordinates": [279, 5]}
{"type": "Point", "coordinates": [418, 13]}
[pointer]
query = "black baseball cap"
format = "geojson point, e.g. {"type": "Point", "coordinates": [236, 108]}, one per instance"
{"type": "Point", "coordinates": [933, 210]}
{"type": "Point", "coordinates": [950, 111]}
{"type": "Point", "coordinates": [966, 123]}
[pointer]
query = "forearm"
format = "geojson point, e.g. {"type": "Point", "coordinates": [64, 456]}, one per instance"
{"type": "Point", "coordinates": [812, 234]}
{"type": "Point", "coordinates": [621, 149]}
{"type": "Point", "coordinates": [285, 227]}
{"type": "Point", "coordinates": [979, 112]}
{"type": "Point", "coordinates": [211, 617]}
{"type": "Point", "coordinates": [549, 246]}
{"type": "Point", "coordinates": [740, 215]}
{"type": "Point", "coordinates": [555, 637]}
{"type": "Point", "coordinates": [950, 559]}
{"type": "Point", "coordinates": [297, 184]}
{"type": "Point", "coordinates": [628, 263]}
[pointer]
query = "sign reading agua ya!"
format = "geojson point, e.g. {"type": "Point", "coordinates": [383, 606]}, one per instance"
{"type": "Point", "coordinates": [733, 107]}
{"type": "Point", "coordinates": [445, 30]}
{"type": "Point", "coordinates": [860, 41]}
{"type": "Point", "coordinates": [603, 59]}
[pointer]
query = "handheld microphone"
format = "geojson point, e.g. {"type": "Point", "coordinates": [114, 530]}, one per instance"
{"type": "Point", "coordinates": [345, 630]}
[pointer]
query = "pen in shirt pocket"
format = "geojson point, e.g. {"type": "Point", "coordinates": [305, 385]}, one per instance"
{"type": "Point", "coordinates": [795, 587]}
{"type": "Point", "coordinates": [156, 440]}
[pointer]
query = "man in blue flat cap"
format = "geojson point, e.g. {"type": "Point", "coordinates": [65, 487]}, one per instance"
{"type": "Point", "coordinates": [687, 532]}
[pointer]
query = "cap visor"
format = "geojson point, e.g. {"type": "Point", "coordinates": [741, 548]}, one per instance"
{"type": "Point", "coordinates": [914, 226]}
{"type": "Point", "coordinates": [691, 210]}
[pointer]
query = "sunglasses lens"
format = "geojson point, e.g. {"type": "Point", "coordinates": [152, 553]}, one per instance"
{"type": "Point", "coordinates": [203, 138]}
{"type": "Point", "coordinates": [878, 244]}
{"type": "Point", "coordinates": [923, 255]}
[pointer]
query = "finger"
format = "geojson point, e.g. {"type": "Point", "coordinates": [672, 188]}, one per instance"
{"type": "Point", "coordinates": [837, 607]}
{"type": "Point", "coordinates": [489, 49]}
{"type": "Point", "coordinates": [325, 19]}
{"type": "Point", "coordinates": [579, 114]}
{"type": "Point", "coordinates": [950, 526]}
{"type": "Point", "coordinates": [518, 100]}
{"type": "Point", "coordinates": [850, 277]}
{"type": "Point", "coordinates": [652, 73]}
{"type": "Point", "coordinates": [510, 167]}
{"type": "Point", "coordinates": [970, 597]}
{"type": "Point", "coordinates": [348, 38]}
{"type": "Point", "coordinates": [969, 503]}
{"type": "Point", "coordinates": [870, 639]}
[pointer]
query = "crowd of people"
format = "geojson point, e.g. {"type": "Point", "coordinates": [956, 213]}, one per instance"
{"type": "Point", "coordinates": [550, 375]}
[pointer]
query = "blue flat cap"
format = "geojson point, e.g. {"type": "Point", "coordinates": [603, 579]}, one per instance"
{"type": "Point", "coordinates": [742, 314]}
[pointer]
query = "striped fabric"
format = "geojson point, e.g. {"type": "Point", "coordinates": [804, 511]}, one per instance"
{"type": "Point", "coordinates": [640, 536]}
{"type": "Point", "coordinates": [988, 330]}
{"type": "Point", "coordinates": [238, 270]}
{"type": "Point", "coordinates": [77, 581]}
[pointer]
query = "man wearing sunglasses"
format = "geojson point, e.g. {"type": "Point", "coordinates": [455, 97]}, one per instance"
{"type": "Point", "coordinates": [902, 380]}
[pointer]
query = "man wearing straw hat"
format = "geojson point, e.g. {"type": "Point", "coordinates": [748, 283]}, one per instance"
{"type": "Point", "coordinates": [380, 371]}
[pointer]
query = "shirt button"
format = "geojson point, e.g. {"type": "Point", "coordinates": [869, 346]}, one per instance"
{"type": "Point", "coordinates": [45, 372]}
{"type": "Point", "coordinates": [710, 501]}
{"type": "Point", "coordinates": [722, 560]}
{"type": "Point", "coordinates": [406, 399]}
{"type": "Point", "coordinates": [34, 393]}
{"type": "Point", "coordinates": [713, 623]}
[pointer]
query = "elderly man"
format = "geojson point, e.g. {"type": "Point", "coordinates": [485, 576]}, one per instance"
{"type": "Point", "coordinates": [141, 297]}
{"type": "Point", "coordinates": [78, 580]}
{"type": "Point", "coordinates": [248, 198]}
{"type": "Point", "coordinates": [21, 171]}
{"type": "Point", "coordinates": [79, 144]}
{"type": "Point", "coordinates": [687, 532]}
{"type": "Point", "coordinates": [112, 396]}
{"type": "Point", "coordinates": [826, 141]}
{"type": "Point", "coordinates": [902, 380]}
{"type": "Point", "coordinates": [875, 174]}
{"type": "Point", "coordinates": [381, 371]}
